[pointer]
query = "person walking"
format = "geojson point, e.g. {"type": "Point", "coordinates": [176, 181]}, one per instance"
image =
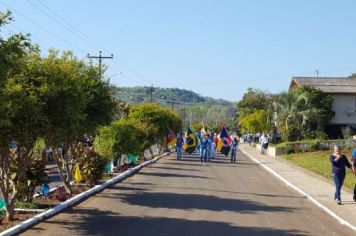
{"type": "Point", "coordinates": [264, 144]}
{"type": "Point", "coordinates": [338, 162]}
{"type": "Point", "coordinates": [179, 146]}
{"type": "Point", "coordinates": [354, 170]}
{"type": "Point", "coordinates": [234, 145]}
{"type": "Point", "coordinates": [204, 149]}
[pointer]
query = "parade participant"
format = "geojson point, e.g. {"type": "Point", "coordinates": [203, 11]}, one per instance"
{"type": "Point", "coordinates": [234, 145]}
{"type": "Point", "coordinates": [179, 146]}
{"type": "Point", "coordinates": [338, 162]}
{"type": "Point", "coordinates": [203, 149]}
{"type": "Point", "coordinates": [212, 148]}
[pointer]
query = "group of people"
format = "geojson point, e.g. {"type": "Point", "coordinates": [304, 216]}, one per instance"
{"type": "Point", "coordinates": [339, 162]}
{"type": "Point", "coordinates": [209, 145]}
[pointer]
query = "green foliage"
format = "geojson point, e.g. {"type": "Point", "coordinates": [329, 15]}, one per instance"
{"type": "Point", "coordinates": [2, 212]}
{"type": "Point", "coordinates": [254, 99]}
{"type": "Point", "coordinates": [196, 107]}
{"type": "Point", "coordinates": [314, 134]}
{"type": "Point", "coordinates": [257, 121]}
{"type": "Point", "coordinates": [156, 121]}
{"type": "Point", "coordinates": [302, 111]}
{"type": "Point", "coordinates": [26, 205]}
{"type": "Point", "coordinates": [92, 166]}
{"type": "Point", "coordinates": [122, 137]}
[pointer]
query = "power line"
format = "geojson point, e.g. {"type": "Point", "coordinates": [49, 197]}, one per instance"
{"type": "Point", "coordinates": [73, 30]}
{"type": "Point", "coordinates": [119, 62]}
{"type": "Point", "coordinates": [42, 28]}
{"type": "Point", "coordinates": [66, 24]}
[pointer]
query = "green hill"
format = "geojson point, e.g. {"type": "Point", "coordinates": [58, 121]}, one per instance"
{"type": "Point", "coordinates": [189, 104]}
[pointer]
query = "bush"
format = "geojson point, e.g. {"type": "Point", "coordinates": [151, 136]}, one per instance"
{"type": "Point", "coordinates": [61, 194]}
{"type": "Point", "coordinates": [293, 133]}
{"type": "Point", "coordinates": [314, 134]}
{"type": "Point", "coordinates": [26, 205]}
{"type": "Point", "coordinates": [92, 166]}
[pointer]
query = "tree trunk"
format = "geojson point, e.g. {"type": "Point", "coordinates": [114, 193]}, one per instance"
{"type": "Point", "coordinates": [151, 152]}
{"type": "Point", "coordinates": [59, 159]}
{"type": "Point", "coordinates": [10, 211]}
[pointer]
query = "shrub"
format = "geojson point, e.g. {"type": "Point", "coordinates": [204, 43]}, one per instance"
{"type": "Point", "coordinates": [61, 194]}
{"type": "Point", "coordinates": [92, 166]}
{"type": "Point", "coordinates": [26, 205]}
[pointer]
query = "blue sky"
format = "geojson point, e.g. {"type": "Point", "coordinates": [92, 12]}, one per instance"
{"type": "Point", "coordinates": [216, 48]}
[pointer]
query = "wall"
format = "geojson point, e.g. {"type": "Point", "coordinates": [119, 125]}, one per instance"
{"type": "Point", "coordinates": [342, 104]}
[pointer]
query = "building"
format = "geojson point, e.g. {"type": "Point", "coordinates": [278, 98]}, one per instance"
{"type": "Point", "coordinates": [343, 91]}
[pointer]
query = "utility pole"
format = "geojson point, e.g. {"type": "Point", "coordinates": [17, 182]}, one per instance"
{"type": "Point", "coordinates": [174, 102]}
{"type": "Point", "coordinates": [151, 91]}
{"type": "Point", "coordinates": [100, 57]}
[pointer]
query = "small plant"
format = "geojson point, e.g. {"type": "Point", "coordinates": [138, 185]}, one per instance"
{"type": "Point", "coordinates": [62, 195]}
{"type": "Point", "coordinates": [92, 167]}
{"type": "Point", "coordinates": [26, 205]}
{"type": "Point", "coordinates": [2, 215]}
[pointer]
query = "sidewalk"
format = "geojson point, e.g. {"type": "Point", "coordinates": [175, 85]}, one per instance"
{"type": "Point", "coordinates": [317, 188]}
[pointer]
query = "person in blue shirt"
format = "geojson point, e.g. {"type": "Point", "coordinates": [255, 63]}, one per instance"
{"type": "Point", "coordinates": [354, 169]}
{"type": "Point", "coordinates": [338, 162]}
{"type": "Point", "coordinates": [234, 145]}
{"type": "Point", "coordinates": [179, 146]}
{"type": "Point", "coordinates": [204, 145]}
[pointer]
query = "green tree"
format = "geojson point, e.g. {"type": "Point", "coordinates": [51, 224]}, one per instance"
{"type": "Point", "coordinates": [156, 121]}
{"type": "Point", "coordinates": [257, 121]}
{"type": "Point", "coordinates": [74, 101]}
{"type": "Point", "coordinates": [303, 110]}
{"type": "Point", "coordinates": [21, 119]}
{"type": "Point", "coordinates": [121, 137]}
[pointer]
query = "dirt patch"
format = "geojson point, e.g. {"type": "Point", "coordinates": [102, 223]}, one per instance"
{"type": "Point", "coordinates": [19, 217]}
{"type": "Point", "coordinates": [58, 196]}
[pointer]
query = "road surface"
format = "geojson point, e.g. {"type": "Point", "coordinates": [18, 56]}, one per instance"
{"type": "Point", "coordinates": [186, 198]}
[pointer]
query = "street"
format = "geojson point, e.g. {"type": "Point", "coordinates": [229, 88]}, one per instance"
{"type": "Point", "coordinates": [186, 198]}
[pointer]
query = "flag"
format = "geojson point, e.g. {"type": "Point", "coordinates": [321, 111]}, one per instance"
{"type": "Point", "coordinates": [171, 138]}
{"type": "Point", "coordinates": [77, 175]}
{"type": "Point", "coordinates": [225, 141]}
{"type": "Point", "coordinates": [203, 131]}
{"type": "Point", "coordinates": [191, 142]}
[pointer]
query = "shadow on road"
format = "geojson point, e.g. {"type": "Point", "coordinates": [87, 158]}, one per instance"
{"type": "Point", "coordinates": [96, 222]}
{"type": "Point", "coordinates": [165, 175]}
{"type": "Point", "coordinates": [194, 201]}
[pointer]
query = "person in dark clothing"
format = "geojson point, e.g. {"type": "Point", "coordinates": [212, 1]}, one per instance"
{"type": "Point", "coordinates": [354, 169]}
{"type": "Point", "coordinates": [338, 162]}
{"type": "Point", "coordinates": [234, 146]}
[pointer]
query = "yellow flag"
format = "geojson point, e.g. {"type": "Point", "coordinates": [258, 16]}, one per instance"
{"type": "Point", "coordinates": [219, 146]}
{"type": "Point", "coordinates": [77, 175]}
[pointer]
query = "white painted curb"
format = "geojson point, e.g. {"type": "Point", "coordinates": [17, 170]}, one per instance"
{"type": "Point", "coordinates": [78, 198]}
{"type": "Point", "coordinates": [306, 195]}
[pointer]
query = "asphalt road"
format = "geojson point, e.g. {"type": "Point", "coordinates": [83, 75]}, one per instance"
{"type": "Point", "coordinates": [186, 198]}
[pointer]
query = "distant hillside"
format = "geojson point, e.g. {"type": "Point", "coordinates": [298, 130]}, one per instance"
{"type": "Point", "coordinates": [193, 107]}
{"type": "Point", "coordinates": [134, 95]}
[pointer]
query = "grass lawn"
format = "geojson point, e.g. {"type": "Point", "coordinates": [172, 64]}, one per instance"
{"type": "Point", "coordinates": [318, 162]}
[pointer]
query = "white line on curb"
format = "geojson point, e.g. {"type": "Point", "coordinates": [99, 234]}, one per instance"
{"type": "Point", "coordinates": [78, 198]}
{"type": "Point", "coordinates": [308, 196]}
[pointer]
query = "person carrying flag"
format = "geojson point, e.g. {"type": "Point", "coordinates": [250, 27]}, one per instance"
{"type": "Point", "coordinates": [190, 142]}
